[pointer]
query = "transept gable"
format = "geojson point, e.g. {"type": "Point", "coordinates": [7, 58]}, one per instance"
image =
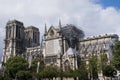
{"type": "Point", "coordinates": [52, 32]}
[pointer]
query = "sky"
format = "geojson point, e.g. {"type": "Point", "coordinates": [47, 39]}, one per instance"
{"type": "Point", "coordinates": [108, 3]}
{"type": "Point", "coordinates": [94, 17]}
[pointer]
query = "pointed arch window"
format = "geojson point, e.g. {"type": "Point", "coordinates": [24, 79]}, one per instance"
{"type": "Point", "coordinates": [52, 33]}
{"type": "Point", "coordinates": [9, 32]}
{"type": "Point", "coordinates": [67, 65]}
{"type": "Point", "coordinates": [29, 42]}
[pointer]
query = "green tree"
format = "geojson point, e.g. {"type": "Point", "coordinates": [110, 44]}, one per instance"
{"type": "Point", "coordinates": [116, 56]}
{"type": "Point", "coordinates": [14, 65]}
{"type": "Point", "coordinates": [34, 64]}
{"type": "Point", "coordinates": [116, 49]}
{"type": "Point", "coordinates": [93, 67]}
{"type": "Point", "coordinates": [49, 72]}
{"type": "Point", "coordinates": [82, 70]}
{"type": "Point", "coordinates": [116, 62]}
{"type": "Point", "coordinates": [109, 71]}
{"type": "Point", "coordinates": [1, 78]}
{"type": "Point", "coordinates": [24, 75]}
{"type": "Point", "coordinates": [70, 73]}
{"type": "Point", "coordinates": [103, 61]}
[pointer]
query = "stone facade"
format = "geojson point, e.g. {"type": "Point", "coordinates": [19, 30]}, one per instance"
{"type": "Point", "coordinates": [18, 39]}
{"type": "Point", "coordinates": [53, 47]}
{"type": "Point", "coordinates": [32, 53]}
{"type": "Point", "coordinates": [97, 45]}
{"type": "Point", "coordinates": [64, 43]}
{"type": "Point", "coordinates": [32, 36]}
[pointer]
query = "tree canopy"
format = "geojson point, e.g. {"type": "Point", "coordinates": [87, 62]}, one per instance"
{"type": "Point", "coordinates": [109, 71]}
{"type": "Point", "coordinates": [49, 72]}
{"type": "Point", "coordinates": [93, 66]}
{"type": "Point", "coordinates": [14, 65]}
{"type": "Point", "coordinates": [116, 49]}
{"type": "Point", "coordinates": [116, 56]}
{"type": "Point", "coordinates": [26, 75]}
{"type": "Point", "coordinates": [116, 62]}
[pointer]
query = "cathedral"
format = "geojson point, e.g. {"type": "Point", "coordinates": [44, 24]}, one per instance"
{"type": "Point", "coordinates": [61, 45]}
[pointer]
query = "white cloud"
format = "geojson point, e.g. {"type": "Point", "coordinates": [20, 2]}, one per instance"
{"type": "Point", "coordinates": [91, 17]}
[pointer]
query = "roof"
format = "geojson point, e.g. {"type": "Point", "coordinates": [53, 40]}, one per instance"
{"type": "Point", "coordinates": [32, 28]}
{"type": "Point", "coordinates": [100, 37]}
{"type": "Point", "coordinates": [14, 21]}
{"type": "Point", "coordinates": [72, 31]}
{"type": "Point", "coordinates": [71, 51]}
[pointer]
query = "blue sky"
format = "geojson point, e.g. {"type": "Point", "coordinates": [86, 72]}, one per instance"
{"type": "Point", "coordinates": [94, 17]}
{"type": "Point", "coordinates": [109, 3]}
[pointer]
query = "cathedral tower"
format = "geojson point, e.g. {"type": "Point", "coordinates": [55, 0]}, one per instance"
{"type": "Point", "coordinates": [32, 36]}
{"type": "Point", "coordinates": [13, 40]}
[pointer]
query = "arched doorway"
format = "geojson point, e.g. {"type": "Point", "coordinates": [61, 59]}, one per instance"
{"type": "Point", "coordinates": [66, 65]}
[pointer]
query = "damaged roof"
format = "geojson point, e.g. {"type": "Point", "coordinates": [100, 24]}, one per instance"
{"type": "Point", "coordinates": [72, 31]}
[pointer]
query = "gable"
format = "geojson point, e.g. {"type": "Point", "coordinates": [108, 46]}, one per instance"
{"type": "Point", "coordinates": [52, 32]}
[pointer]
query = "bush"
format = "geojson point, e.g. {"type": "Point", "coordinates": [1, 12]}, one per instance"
{"type": "Point", "coordinates": [24, 75]}
{"type": "Point", "coordinates": [109, 71]}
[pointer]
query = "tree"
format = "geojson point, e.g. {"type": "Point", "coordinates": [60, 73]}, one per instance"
{"type": "Point", "coordinates": [116, 62]}
{"type": "Point", "coordinates": [116, 56]}
{"type": "Point", "coordinates": [49, 72]}
{"type": "Point", "coordinates": [14, 65]}
{"type": "Point", "coordinates": [70, 73]}
{"type": "Point", "coordinates": [1, 78]}
{"type": "Point", "coordinates": [24, 75]}
{"type": "Point", "coordinates": [103, 60]}
{"type": "Point", "coordinates": [116, 49]}
{"type": "Point", "coordinates": [82, 71]}
{"type": "Point", "coordinates": [109, 71]}
{"type": "Point", "coordinates": [93, 67]}
{"type": "Point", "coordinates": [34, 64]}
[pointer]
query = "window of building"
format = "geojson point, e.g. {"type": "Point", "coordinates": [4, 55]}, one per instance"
{"type": "Point", "coordinates": [19, 36]}
{"type": "Point", "coordinates": [9, 32]}
{"type": "Point", "coordinates": [52, 33]}
{"type": "Point", "coordinates": [67, 65]}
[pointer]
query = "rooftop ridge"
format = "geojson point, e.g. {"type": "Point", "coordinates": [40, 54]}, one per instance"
{"type": "Point", "coordinates": [100, 37]}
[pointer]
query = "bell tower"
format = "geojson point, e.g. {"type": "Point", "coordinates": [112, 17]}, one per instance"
{"type": "Point", "coordinates": [13, 40]}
